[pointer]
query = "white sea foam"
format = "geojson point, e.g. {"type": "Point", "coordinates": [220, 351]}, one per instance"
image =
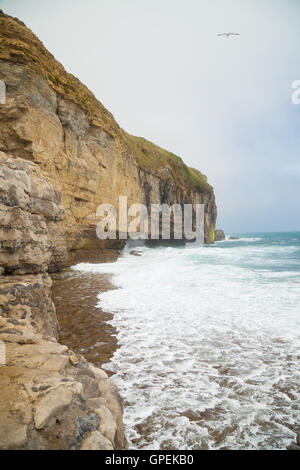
{"type": "Point", "coordinates": [209, 347]}
{"type": "Point", "coordinates": [242, 239]}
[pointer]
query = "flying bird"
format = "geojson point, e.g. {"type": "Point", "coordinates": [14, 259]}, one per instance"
{"type": "Point", "coordinates": [229, 34]}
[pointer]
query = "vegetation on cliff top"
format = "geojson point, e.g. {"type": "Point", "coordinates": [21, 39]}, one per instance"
{"type": "Point", "coordinates": [153, 158]}
{"type": "Point", "coordinates": [18, 44]}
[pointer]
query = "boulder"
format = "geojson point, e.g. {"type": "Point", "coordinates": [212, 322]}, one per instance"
{"type": "Point", "coordinates": [96, 441]}
{"type": "Point", "coordinates": [219, 235]}
{"type": "Point", "coordinates": [52, 404]}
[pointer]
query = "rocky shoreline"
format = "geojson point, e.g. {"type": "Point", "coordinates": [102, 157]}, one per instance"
{"type": "Point", "coordinates": [50, 397]}
{"type": "Point", "coordinates": [62, 154]}
{"type": "Point", "coordinates": [75, 295]}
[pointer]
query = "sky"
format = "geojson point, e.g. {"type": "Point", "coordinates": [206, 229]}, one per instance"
{"type": "Point", "coordinates": [223, 104]}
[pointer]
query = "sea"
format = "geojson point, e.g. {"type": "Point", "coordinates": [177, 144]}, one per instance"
{"type": "Point", "coordinates": [208, 338]}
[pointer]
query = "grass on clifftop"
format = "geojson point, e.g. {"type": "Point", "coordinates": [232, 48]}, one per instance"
{"type": "Point", "coordinates": [19, 45]}
{"type": "Point", "coordinates": [153, 158]}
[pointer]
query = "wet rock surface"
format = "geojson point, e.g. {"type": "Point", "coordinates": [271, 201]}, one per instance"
{"type": "Point", "coordinates": [83, 326]}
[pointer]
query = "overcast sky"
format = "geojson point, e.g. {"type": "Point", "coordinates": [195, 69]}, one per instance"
{"type": "Point", "coordinates": [222, 104]}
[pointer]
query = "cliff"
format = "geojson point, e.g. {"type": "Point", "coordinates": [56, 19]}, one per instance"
{"type": "Point", "coordinates": [61, 155]}
{"type": "Point", "coordinates": [53, 120]}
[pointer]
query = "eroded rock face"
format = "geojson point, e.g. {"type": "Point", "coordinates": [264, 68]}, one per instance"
{"type": "Point", "coordinates": [26, 302]}
{"type": "Point", "coordinates": [31, 234]}
{"type": "Point", "coordinates": [50, 398]}
{"type": "Point", "coordinates": [85, 163]}
{"type": "Point", "coordinates": [51, 119]}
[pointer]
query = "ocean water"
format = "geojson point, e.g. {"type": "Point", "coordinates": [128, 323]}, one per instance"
{"type": "Point", "coordinates": [209, 343]}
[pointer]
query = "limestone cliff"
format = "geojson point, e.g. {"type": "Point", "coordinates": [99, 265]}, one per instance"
{"type": "Point", "coordinates": [53, 120]}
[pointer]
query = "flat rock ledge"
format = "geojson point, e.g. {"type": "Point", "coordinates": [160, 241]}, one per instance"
{"type": "Point", "coordinates": [50, 397]}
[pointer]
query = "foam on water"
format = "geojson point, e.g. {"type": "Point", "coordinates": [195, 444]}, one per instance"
{"type": "Point", "coordinates": [209, 343]}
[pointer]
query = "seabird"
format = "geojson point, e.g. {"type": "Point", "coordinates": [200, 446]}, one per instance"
{"type": "Point", "coordinates": [229, 34]}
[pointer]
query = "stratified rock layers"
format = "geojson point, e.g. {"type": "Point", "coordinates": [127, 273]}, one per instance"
{"type": "Point", "coordinates": [53, 120]}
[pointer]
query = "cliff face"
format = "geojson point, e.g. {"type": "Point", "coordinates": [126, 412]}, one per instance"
{"type": "Point", "coordinates": [61, 155]}
{"type": "Point", "coordinates": [53, 120]}
{"type": "Point", "coordinates": [31, 233]}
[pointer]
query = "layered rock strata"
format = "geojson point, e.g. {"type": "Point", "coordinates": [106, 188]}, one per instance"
{"type": "Point", "coordinates": [53, 120]}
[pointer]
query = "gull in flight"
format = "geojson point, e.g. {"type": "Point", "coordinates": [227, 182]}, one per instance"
{"type": "Point", "coordinates": [229, 34]}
